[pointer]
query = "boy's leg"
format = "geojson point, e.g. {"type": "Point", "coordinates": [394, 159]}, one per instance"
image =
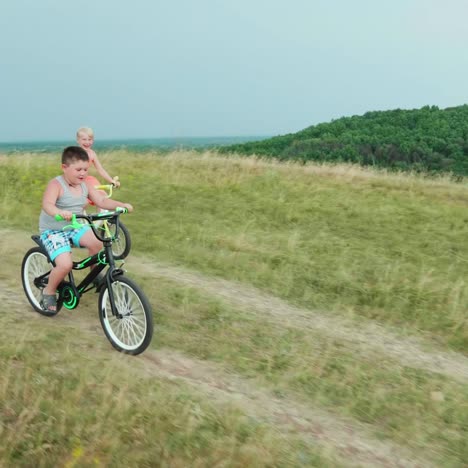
{"type": "Point", "coordinates": [58, 247]}
{"type": "Point", "coordinates": [91, 242]}
{"type": "Point", "coordinates": [94, 245]}
{"type": "Point", "coordinates": [63, 266]}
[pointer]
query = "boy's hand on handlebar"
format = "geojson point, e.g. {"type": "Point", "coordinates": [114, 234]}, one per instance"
{"type": "Point", "coordinates": [128, 206]}
{"type": "Point", "coordinates": [116, 182]}
{"type": "Point", "coordinates": [66, 215]}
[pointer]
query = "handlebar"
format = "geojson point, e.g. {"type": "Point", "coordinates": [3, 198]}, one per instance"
{"type": "Point", "coordinates": [107, 187]}
{"type": "Point", "coordinates": [90, 218]}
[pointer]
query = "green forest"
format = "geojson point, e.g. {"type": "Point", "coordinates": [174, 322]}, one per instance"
{"type": "Point", "coordinates": [424, 140]}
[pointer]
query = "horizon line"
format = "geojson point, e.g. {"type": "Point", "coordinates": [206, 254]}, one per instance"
{"type": "Point", "coordinates": [109, 139]}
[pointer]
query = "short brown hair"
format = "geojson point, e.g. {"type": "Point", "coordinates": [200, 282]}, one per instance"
{"type": "Point", "coordinates": [74, 153]}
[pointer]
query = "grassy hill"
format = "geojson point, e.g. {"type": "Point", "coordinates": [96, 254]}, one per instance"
{"type": "Point", "coordinates": [306, 315]}
{"type": "Point", "coordinates": [426, 139]}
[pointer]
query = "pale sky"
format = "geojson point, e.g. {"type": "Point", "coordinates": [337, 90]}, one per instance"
{"type": "Point", "coordinates": [185, 68]}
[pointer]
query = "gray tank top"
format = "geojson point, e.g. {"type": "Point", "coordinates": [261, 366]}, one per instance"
{"type": "Point", "coordinates": [68, 202]}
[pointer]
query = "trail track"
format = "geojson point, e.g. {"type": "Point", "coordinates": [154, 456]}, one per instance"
{"type": "Point", "coordinates": [351, 440]}
{"type": "Point", "coordinates": [366, 336]}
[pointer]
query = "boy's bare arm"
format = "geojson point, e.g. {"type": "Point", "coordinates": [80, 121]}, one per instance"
{"type": "Point", "coordinates": [102, 172]}
{"type": "Point", "coordinates": [101, 200]}
{"type": "Point", "coordinates": [49, 200]}
{"type": "Point", "coordinates": [50, 197]}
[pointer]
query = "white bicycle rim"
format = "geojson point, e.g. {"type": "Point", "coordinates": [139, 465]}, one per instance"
{"type": "Point", "coordinates": [129, 331]}
{"type": "Point", "coordinates": [36, 265]}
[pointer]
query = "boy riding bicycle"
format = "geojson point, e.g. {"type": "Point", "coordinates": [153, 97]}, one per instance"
{"type": "Point", "coordinates": [65, 195]}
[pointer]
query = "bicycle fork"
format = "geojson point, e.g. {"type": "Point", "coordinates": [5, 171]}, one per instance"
{"type": "Point", "coordinates": [112, 274]}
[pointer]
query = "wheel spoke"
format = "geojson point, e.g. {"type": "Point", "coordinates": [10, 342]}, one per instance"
{"type": "Point", "coordinates": [131, 329]}
{"type": "Point", "coordinates": [35, 265]}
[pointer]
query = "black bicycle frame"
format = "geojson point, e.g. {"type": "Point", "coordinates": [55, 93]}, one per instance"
{"type": "Point", "coordinates": [102, 259]}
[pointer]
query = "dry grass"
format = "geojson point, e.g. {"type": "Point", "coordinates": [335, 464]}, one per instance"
{"type": "Point", "coordinates": [330, 244]}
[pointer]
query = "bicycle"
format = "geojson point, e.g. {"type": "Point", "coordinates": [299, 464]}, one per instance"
{"type": "Point", "coordinates": [122, 241]}
{"type": "Point", "coordinates": [124, 311]}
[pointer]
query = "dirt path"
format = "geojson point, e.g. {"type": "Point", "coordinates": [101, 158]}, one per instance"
{"type": "Point", "coordinates": [366, 336]}
{"type": "Point", "coordinates": [352, 441]}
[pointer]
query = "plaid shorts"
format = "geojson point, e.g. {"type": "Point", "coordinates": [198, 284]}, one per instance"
{"type": "Point", "coordinates": [58, 242]}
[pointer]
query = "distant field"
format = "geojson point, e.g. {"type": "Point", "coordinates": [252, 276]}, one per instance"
{"type": "Point", "coordinates": [306, 315]}
{"type": "Point", "coordinates": [135, 145]}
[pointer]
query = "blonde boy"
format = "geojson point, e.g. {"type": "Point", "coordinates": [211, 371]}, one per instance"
{"type": "Point", "coordinates": [85, 138]}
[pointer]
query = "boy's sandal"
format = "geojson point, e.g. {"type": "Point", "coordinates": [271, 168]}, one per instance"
{"type": "Point", "coordinates": [48, 301]}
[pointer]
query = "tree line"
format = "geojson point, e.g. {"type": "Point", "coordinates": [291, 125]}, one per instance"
{"type": "Point", "coordinates": [427, 139]}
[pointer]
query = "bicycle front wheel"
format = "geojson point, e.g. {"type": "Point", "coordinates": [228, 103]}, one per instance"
{"type": "Point", "coordinates": [130, 331]}
{"type": "Point", "coordinates": [34, 276]}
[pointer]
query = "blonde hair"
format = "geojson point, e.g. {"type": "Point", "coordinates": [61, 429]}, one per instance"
{"type": "Point", "coordinates": [89, 131]}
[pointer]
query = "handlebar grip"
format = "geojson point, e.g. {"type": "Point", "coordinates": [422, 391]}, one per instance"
{"type": "Point", "coordinates": [73, 224]}
{"type": "Point", "coordinates": [107, 188]}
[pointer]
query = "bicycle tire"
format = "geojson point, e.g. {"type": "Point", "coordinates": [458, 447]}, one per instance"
{"type": "Point", "coordinates": [122, 242]}
{"type": "Point", "coordinates": [36, 264]}
{"type": "Point", "coordinates": [133, 331]}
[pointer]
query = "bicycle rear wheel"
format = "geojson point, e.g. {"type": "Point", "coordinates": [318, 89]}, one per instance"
{"type": "Point", "coordinates": [131, 330]}
{"type": "Point", "coordinates": [34, 276]}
